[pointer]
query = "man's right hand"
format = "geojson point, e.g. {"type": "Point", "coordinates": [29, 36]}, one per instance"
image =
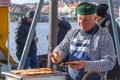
{"type": "Point", "coordinates": [55, 57]}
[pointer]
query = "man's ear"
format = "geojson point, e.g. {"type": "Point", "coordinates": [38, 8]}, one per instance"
{"type": "Point", "coordinates": [98, 18]}
{"type": "Point", "coordinates": [95, 17]}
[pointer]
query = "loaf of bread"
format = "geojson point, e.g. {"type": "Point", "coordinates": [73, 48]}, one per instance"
{"type": "Point", "coordinates": [32, 72]}
{"type": "Point", "coordinates": [17, 71]}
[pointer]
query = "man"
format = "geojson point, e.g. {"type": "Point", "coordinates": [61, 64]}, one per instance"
{"type": "Point", "coordinates": [89, 47]}
{"type": "Point", "coordinates": [104, 19]}
{"type": "Point", "coordinates": [63, 28]}
{"type": "Point", "coordinates": [22, 31]}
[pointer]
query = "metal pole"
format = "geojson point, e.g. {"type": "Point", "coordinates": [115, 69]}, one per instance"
{"type": "Point", "coordinates": [30, 35]}
{"type": "Point", "coordinates": [115, 32]}
{"type": "Point", "coordinates": [8, 40]}
{"type": "Point", "coordinates": [53, 9]}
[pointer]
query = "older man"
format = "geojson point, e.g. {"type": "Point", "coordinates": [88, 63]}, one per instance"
{"type": "Point", "coordinates": [89, 46]}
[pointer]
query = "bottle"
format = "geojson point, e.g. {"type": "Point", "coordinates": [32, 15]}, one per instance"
{"type": "Point", "coordinates": [56, 57]}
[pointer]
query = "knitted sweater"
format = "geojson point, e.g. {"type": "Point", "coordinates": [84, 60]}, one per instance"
{"type": "Point", "coordinates": [102, 51]}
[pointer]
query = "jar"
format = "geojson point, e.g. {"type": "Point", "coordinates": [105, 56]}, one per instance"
{"type": "Point", "coordinates": [56, 57]}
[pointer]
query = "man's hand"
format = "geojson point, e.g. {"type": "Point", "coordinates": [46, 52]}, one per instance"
{"type": "Point", "coordinates": [36, 39]}
{"type": "Point", "coordinates": [55, 57]}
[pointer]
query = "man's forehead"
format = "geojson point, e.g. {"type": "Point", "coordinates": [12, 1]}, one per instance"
{"type": "Point", "coordinates": [86, 16]}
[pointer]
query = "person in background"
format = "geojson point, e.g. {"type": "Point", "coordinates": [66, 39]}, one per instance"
{"type": "Point", "coordinates": [21, 33]}
{"type": "Point", "coordinates": [104, 20]}
{"type": "Point", "coordinates": [88, 46]}
{"type": "Point", "coordinates": [63, 27]}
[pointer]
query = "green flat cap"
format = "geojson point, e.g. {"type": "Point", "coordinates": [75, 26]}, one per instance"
{"type": "Point", "coordinates": [86, 8]}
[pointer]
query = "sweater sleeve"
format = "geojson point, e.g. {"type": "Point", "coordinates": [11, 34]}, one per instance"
{"type": "Point", "coordinates": [106, 59]}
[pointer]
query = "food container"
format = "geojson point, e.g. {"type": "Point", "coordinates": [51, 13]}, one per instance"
{"type": "Point", "coordinates": [55, 76]}
{"type": "Point", "coordinates": [56, 57]}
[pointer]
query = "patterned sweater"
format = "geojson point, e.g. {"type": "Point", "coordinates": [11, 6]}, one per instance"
{"type": "Point", "coordinates": [101, 52]}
